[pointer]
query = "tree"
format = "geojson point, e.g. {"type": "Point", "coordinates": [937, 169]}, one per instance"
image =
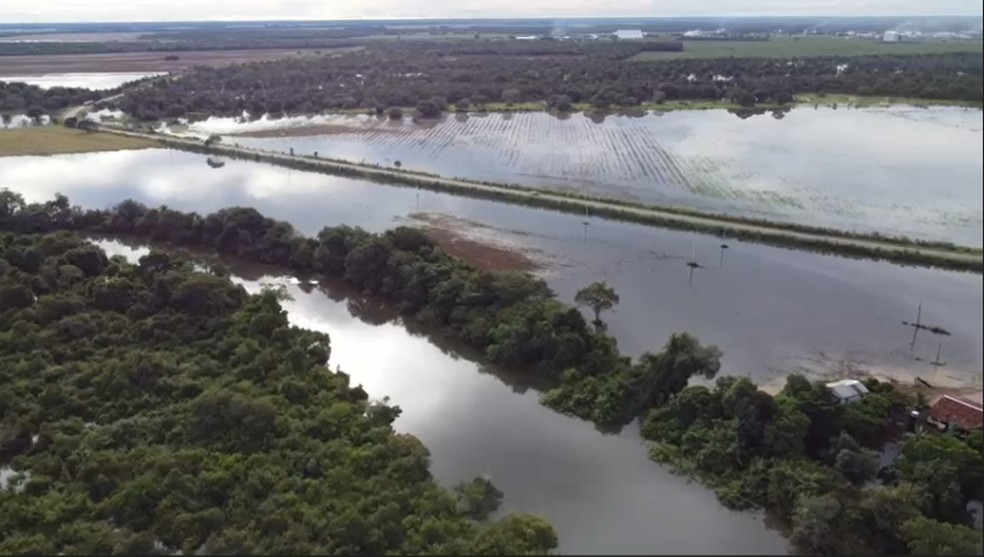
{"type": "Point", "coordinates": [394, 113]}
{"type": "Point", "coordinates": [858, 466]}
{"type": "Point", "coordinates": [510, 96]}
{"type": "Point", "coordinates": [478, 498]}
{"type": "Point", "coordinates": [743, 98]}
{"type": "Point", "coordinates": [428, 109]}
{"type": "Point", "coordinates": [213, 139]}
{"type": "Point", "coordinates": [925, 536]}
{"type": "Point", "coordinates": [598, 296]}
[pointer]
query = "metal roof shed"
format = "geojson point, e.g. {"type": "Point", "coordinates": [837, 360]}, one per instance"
{"type": "Point", "coordinates": [847, 391]}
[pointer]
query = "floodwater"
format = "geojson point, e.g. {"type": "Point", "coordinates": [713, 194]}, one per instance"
{"type": "Point", "coordinates": [771, 310]}
{"type": "Point", "coordinates": [897, 171]}
{"type": "Point", "coordinates": [88, 80]}
{"type": "Point", "coordinates": [601, 492]}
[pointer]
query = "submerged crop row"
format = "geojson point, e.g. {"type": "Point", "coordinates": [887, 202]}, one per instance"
{"type": "Point", "coordinates": [899, 250]}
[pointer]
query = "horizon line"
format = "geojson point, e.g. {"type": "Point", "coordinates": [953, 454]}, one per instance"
{"type": "Point", "coordinates": [275, 19]}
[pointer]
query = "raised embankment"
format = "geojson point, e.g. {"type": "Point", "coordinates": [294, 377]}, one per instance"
{"type": "Point", "coordinates": [898, 250]}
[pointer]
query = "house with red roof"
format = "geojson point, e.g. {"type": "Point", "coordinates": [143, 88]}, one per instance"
{"type": "Point", "coordinates": [953, 413]}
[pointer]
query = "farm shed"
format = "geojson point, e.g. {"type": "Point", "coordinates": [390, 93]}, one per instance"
{"type": "Point", "coordinates": [847, 391]}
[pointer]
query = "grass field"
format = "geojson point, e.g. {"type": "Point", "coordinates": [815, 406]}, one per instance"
{"type": "Point", "coordinates": [54, 140]}
{"type": "Point", "coordinates": [807, 46]}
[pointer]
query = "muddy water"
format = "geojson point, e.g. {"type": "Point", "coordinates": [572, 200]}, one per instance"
{"type": "Point", "coordinates": [600, 491]}
{"type": "Point", "coordinates": [899, 171]}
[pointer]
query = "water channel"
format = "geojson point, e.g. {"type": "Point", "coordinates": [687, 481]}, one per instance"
{"type": "Point", "coordinates": [771, 310]}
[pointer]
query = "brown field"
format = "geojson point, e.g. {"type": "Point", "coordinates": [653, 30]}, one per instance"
{"type": "Point", "coordinates": [54, 140]}
{"type": "Point", "coordinates": [73, 37]}
{"type": "Point", "coordinates": [140, 61]}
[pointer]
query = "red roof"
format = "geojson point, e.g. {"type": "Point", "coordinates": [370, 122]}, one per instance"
{"type": "Point", "coordinates": [957, 412]}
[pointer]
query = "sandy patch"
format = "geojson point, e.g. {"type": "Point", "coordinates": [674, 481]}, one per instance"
{"type": "Point", "coordinates": [480, 245]}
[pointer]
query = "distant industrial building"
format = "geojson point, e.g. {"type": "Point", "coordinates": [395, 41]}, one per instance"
{"type": "Point", "coordinates": [630, 34]}
{"type": "Point", "coordinates": [847, 391]}
{"type": "Point", "coordinates": [891, 37]}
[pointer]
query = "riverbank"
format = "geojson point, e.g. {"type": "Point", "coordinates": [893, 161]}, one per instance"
{"type": "Point", "coordinates": [804, 99]}
{"type": "Point", "coordinates": [56, 140]}
{"type": "Point", "coordinates": [898, 250]}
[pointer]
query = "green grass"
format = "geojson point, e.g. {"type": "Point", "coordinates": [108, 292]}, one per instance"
{"type": "Point", "coordinates": [874, 101]}
{"type": "Point", "coordinates": [53, 140]}
{"type": "Point", "coordinates": [808, 46]}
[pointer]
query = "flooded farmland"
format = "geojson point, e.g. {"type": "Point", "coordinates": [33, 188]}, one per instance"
{"type": "Point", "coordinates": [89, 80]}
{"type": "Point", "coordinates": [867, 170]}
{"type": "Point", "coordinates": [770, 310]}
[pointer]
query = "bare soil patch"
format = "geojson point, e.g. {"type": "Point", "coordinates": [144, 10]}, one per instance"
{"type": "Point", "coordinates": [141, 61]}
{"type": "Point", "coordinates": [470, 242]}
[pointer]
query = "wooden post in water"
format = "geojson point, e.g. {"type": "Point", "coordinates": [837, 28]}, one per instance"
{"type": "Point", "coordinates": [937, 364]}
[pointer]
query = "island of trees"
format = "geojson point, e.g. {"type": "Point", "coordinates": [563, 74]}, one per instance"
{"type": "Point", "coordinates": [809, 461]}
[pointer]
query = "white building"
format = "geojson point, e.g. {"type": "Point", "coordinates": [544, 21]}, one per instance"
{"type": "Point", "coordinates": [629, 34]}
{"type": "Point", "coordinates": [891, 37]}
{"type": "Point", "coordinates": [847, 391]}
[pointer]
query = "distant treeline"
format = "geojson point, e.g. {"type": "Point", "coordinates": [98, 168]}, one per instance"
{"type": "Point", "coordinates": [50, 48]}
{"type": "Point", "coordinates": [34, 101]}
{"type": "Point", "coordinates": [476, 73]}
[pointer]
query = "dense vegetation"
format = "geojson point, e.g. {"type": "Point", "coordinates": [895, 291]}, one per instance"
{"type": "Point", "coordinates": [21, 98]}
{"type": "Point", "coordinates": [404, 73]}
{"type": "Point", "coordinates": [157, 407]}
{"type": "Point", "coordinates": [809, 461]}
{"type": "Point", "coordinates": [814, 464]}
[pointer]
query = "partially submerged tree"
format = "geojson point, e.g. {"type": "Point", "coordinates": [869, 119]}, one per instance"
{"type": "Point", "coordinates": [598, 296]}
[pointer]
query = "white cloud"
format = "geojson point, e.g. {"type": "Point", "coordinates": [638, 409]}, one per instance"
{"type": "Point", "coordinates": [21, 11]}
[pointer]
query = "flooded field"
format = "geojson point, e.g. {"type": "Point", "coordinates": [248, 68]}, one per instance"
{"type": "Point", "coordinates": [96, 81]}
{"type": "Point", "coordinates": [771, 310]}
{"type": "Point", "coordinates": [477, 421]}
{"type": "Point", "coordinates": [870, 170]}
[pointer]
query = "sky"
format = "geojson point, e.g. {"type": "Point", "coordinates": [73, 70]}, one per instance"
{"type": "Point", "coordinates": [26, 11]}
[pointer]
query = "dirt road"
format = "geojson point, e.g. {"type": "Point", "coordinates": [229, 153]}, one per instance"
{"type": "Point", "coordinates": [601, 208]}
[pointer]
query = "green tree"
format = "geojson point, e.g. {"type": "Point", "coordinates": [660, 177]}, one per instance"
{"type": "Point", "coordinates": [925, 536]}
{"type": "Point", "coordinates": [598, 296]}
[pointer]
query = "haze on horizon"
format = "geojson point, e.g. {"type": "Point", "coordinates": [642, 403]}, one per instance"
{"type": "Point", "coordinates": [71, 11]}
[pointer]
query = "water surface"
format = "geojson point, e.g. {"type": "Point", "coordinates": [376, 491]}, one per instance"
{"type": "Point", "coordinates": [88, 80]}
{"type": "Point", "coordinates": [771, 310]}
{"type": "Point", "coordinates": [902, 171]}
{"type": "Point", "coordinates": [600, 491]}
